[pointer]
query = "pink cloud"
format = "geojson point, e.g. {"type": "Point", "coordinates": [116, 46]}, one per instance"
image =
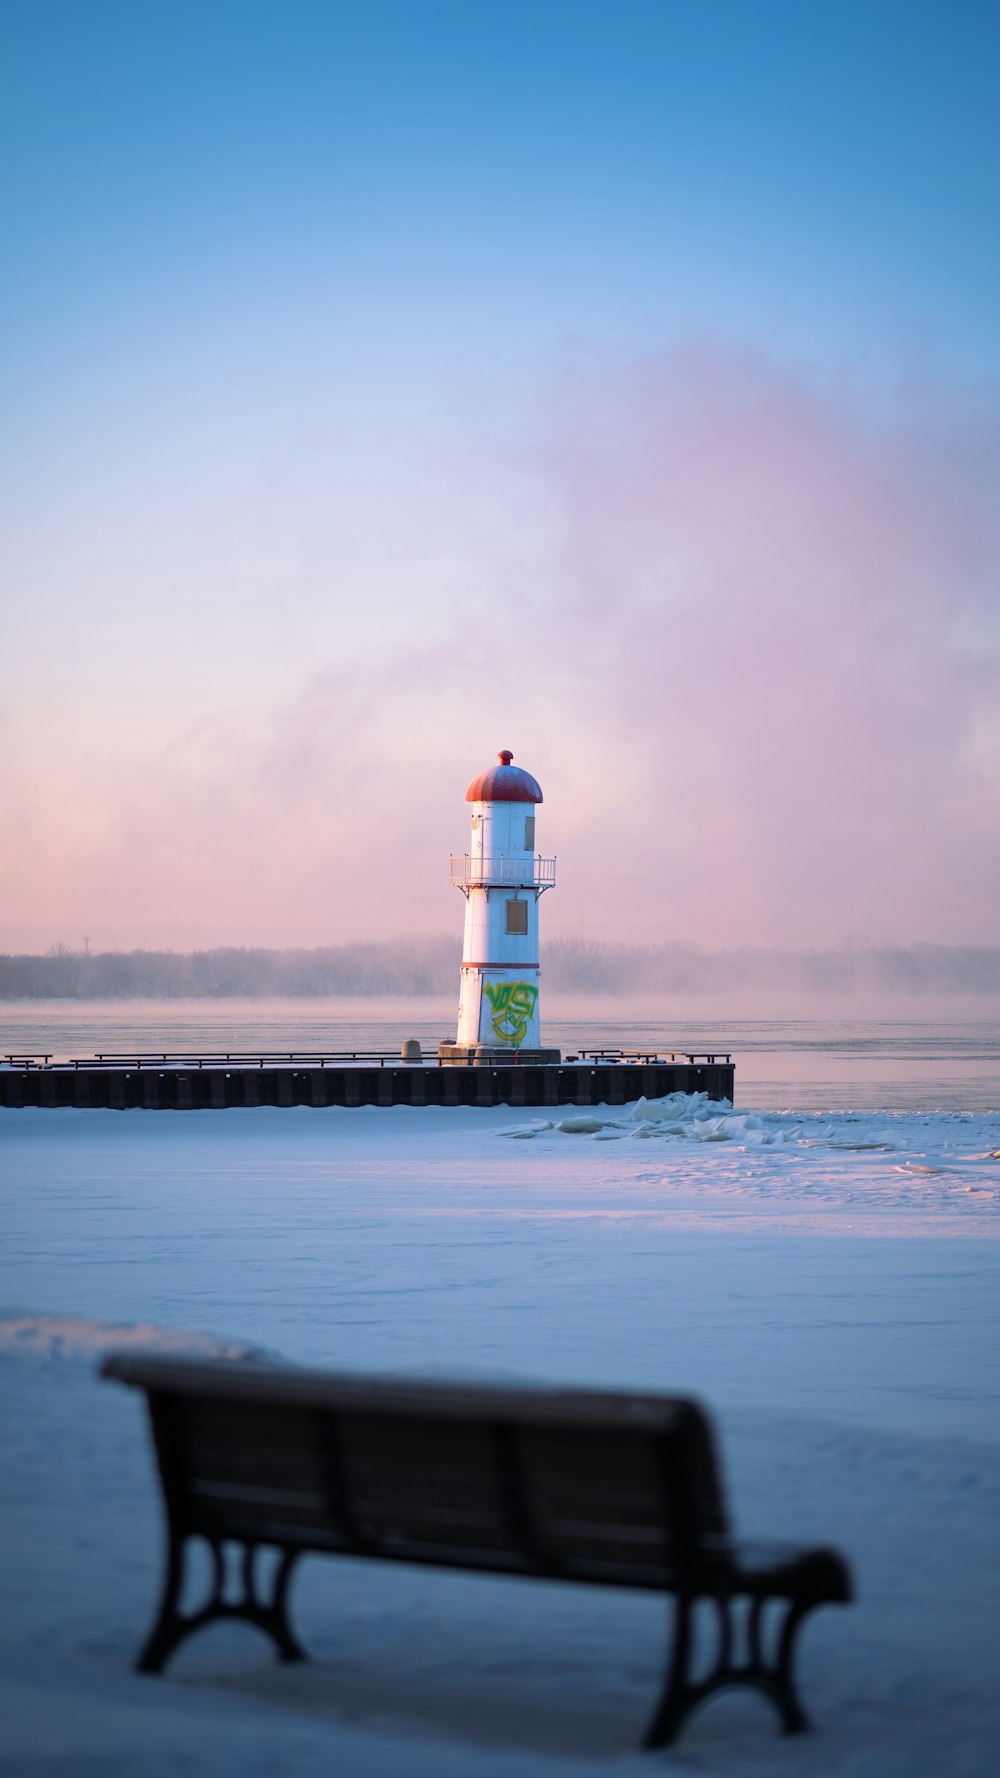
{"type": "Point", "coordinates": [793, 601]}
{"type": "Point", "coordinates": [753, 655]}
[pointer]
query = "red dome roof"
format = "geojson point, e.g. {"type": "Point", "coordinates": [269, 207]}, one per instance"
{"type": "Point", "coordinates": [504, 783]}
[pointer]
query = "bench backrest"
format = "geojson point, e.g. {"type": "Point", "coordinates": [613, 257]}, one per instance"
{"type": "Point", "coordinates": [590, 1486]}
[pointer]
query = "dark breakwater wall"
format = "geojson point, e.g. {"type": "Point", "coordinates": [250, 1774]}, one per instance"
{"type": "Point", "coordinates": [216, 1088]}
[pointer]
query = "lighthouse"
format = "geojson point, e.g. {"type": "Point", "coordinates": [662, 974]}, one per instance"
{"type": "Point", "coordinates": [503, 879]}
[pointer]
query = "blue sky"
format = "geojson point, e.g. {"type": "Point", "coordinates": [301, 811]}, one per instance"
{"type": "Point", "coordinates": [298, 299]}
{"type": "Point", "coordinates": [503, 178]}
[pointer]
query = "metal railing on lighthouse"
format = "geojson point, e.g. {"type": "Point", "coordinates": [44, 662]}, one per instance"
{"type": "Point", "coordinates": [503, 871]}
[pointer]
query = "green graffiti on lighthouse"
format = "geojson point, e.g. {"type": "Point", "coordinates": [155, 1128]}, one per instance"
{"type": "Point", "coordinates": [513, 1005]}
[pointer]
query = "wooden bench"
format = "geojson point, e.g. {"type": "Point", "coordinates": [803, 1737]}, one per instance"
{"type": "Point", "coordinates": [603, 1489]}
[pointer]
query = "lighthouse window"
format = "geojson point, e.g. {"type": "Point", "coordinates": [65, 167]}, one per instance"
{"type": "Point", "coordinates": [529, 833]}
{"type": "Point", "coordinates": [517, 916]}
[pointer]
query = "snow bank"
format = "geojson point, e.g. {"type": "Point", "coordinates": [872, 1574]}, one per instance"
{"type": "Point", "coordinates": [444, 1676]}
{"type": "Point", "coordinates": [833, 1295]}
{"type": "Point", "coordinates": [38, 1337]}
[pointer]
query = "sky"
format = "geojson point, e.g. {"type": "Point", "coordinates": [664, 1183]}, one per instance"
{"type": "Point", "coordinates": [387, 384]}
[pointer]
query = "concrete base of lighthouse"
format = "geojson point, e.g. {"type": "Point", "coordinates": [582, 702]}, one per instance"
{"type": "Point", "coordinates": [489, 1055]}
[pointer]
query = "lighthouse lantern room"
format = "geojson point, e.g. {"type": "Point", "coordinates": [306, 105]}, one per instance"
{"type": "Point", "coordinates": [503, 879]}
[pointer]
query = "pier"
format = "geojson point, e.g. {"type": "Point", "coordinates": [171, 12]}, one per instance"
{"type": "Point", "coordinates": [217, 1082]}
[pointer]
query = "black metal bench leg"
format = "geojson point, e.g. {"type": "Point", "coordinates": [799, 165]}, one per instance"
{"type": "Point", "coordinates": [774, 1679]}
{"type": "Point", "coordinates": [675, 1700]}
{"type": "Point", "coordinates": [794, 1718]}
{"type": "Point", "coordinates": [278, 1624]}
{"type": "Point", "coordinates": [172, 1626]}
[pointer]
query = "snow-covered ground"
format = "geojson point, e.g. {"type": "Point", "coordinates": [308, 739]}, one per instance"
{"type": "Point", "coordinates": [828, 1284]}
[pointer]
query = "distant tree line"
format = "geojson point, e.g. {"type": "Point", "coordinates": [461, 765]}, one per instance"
{"type": "Point", "coordinates": [420, 967]}
{"type": "Point", "coordinates": [428, 965]}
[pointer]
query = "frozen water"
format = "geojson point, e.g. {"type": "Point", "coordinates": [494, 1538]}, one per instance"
{"type": "Point", "coordinates": [827, 1281]}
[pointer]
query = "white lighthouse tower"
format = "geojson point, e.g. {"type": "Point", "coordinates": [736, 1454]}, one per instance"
{"type": "Point", "coordinates": [503, 879]}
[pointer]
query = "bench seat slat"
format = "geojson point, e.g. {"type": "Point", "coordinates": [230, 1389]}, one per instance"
{"type": "Point", "coordinates": [390, 1494]}
{"type": "Point", "coordinates": [232, 1492]}
{"type": "Point", "coordinates": [230, 1508]}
